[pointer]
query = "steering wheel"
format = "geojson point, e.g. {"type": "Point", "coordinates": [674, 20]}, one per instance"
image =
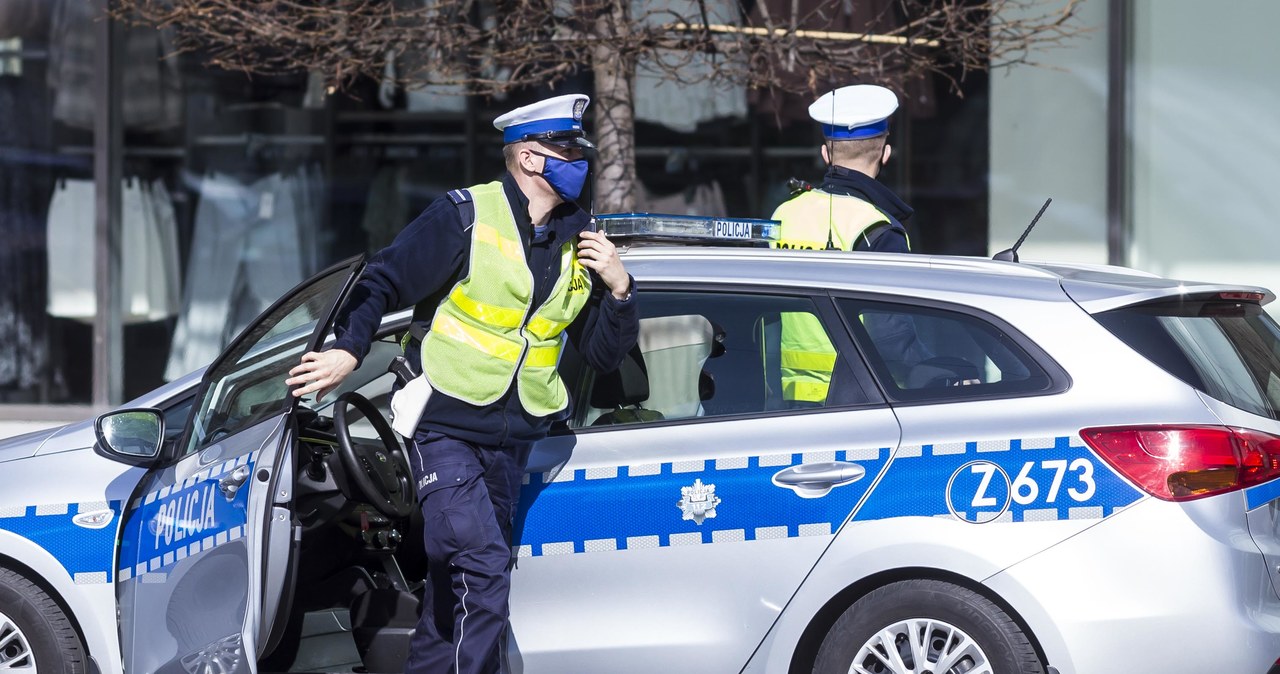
{"type": "Point", "coordinates": [381, 474]}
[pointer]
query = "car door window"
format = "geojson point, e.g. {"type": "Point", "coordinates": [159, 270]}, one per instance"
{"type": "Point", "coordinates": [246, 385]}
{"type": "Point", "coordinates": [705, 354]}
{"type": "Point", "coordinates": [922, 352]}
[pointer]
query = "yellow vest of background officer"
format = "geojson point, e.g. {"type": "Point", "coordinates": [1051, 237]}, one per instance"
{"type": "Point", "coordinates": [807, 355]}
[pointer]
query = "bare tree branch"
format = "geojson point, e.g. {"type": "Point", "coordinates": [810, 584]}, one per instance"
{"type": "Point", "coordinates": [494, 46]}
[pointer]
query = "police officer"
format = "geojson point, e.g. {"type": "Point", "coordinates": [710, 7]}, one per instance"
{"type": "Point", "coordinates": [502, 272]}
{"type": "Point", "coordinates": [851, 210]}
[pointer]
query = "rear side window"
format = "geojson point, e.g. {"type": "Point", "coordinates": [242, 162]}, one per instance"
{"type": "Point", "coordinates": [1228, 350]}
{"type": "Point", "coordinates": [926, 353]}
{"type": "Point", "coordinates": [714, 354]}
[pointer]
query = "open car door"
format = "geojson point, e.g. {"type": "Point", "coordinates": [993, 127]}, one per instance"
{"type": "Point", "coordinates": [206, 543]}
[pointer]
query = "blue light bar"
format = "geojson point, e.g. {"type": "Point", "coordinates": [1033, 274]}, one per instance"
{"type": "Point", "coordinates": [692, 229]}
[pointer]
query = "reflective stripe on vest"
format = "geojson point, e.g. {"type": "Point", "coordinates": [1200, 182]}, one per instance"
{"type": "Point", "coordinates": [483, 335]}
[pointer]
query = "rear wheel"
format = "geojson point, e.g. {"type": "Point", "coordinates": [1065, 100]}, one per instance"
{"type": "Point", "coordinates": [926, 627]}
{"type": "Point", "coordinates": [35, 635]}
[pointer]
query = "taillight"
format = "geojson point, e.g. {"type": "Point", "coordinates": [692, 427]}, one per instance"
{"type": "Point", "coordinates": [1181, 463]}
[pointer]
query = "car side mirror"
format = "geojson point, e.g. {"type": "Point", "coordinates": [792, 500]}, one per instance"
{"type": "Point", "coordinates": [130, 435]}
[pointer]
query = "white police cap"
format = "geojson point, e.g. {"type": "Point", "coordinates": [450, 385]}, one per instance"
{"type": "Point", "coordinates": [854, 112]}
{"type": "Point", "coordinates": [557, 121]}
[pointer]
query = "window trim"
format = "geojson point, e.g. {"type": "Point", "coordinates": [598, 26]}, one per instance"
{"type": "Point", "coordinates": [827, 311]}
{"type": "Point", "coordinates": [1059, 380]}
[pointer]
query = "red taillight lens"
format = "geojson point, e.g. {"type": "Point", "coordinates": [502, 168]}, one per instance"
{"type": "Point", "coordinates": [1181, 463]}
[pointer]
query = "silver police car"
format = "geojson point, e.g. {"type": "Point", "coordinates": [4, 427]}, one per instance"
{"type": "Point", "coordinates": [1007, 467]}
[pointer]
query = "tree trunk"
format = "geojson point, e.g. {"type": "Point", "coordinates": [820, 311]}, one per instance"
{"type": "Point", "coordinates": [615, 124]}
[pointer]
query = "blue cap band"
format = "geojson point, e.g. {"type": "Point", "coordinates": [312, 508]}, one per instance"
{"type": "Point", "coordinates": [845, 133]}
{"type": "Point", "coordinates": [517, 132]}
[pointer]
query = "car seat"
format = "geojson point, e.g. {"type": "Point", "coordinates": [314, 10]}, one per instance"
{"type": "Point", "coordinates": [623, 392]}
{"type": "Point", "coordinates": [941, 371]}
{"type": "Point", "coordinates": [674, 350]}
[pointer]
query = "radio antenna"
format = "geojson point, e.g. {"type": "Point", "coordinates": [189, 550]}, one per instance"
{"type": "Point", "coordinates": [1011, 254]}
{"type": "Point", "coordinates": [831, 160]}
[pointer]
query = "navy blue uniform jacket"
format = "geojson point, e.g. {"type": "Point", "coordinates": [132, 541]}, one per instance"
{"type": "Point", "coordinates": [424, 263]}
{"type": "Point", "coordinates": [891, 239]}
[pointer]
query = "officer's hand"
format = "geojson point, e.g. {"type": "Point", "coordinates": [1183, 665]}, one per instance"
{"type": "Point", "coordinates": [597, 253]}
{"type": "Point", "coordinates": [320, 371]}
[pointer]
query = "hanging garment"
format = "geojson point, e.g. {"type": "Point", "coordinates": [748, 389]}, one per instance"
{"type": "Point", "coordinates": [27, 370]}
{"type": "Point", "coordinates": [148, 253]}
{"type": "Point", "coordinates": [27, 19]}
{"type": "Point", "coordinates": [679, 106]}
{"type": "Point", "coordinates": [70, 249]}
{"type": "Point", "coordinates": [151, 98]}
{"type": "Point", "coordinates": [386, 209]}
{"type": "Point", "coordinates": [865, 16]}
{"type": "Point", "coordinates": [706, 199]}
{"type": "Point", "coordinates": [245, 253]}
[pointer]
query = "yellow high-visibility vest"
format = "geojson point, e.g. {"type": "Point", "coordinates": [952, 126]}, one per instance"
{"type": "Point", "coordinates": [807, 355]}
{"type": "Point", "coordinates": [483, 334]}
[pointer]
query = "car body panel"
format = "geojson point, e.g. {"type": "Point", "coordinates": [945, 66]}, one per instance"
{"type": "Point", "coordinates": [606, 504]}
{"type": "Point", "coordinates": [37, 530]}
{"type": "Point", "coordinates": [183, 537]}
{"type": "Point", "coordinates": [1151, 589]}
{"type": "Point", "coordinates": [610, 575]}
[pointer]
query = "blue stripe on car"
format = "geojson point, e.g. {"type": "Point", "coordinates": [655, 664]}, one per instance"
{"type": "Point", "coordinates": [630, 507]}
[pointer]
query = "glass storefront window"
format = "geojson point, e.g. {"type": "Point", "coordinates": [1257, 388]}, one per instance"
{"type": "Point", "coordinates": [46, 258]}
{"type": "Point", "coordinates": [233, 188]}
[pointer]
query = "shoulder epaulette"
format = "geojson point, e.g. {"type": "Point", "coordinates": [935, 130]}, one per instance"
{"type": "Point", "coordinates": [459, 196]}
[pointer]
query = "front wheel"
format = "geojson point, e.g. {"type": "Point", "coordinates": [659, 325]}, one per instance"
{"type": "Point", "coordinates": [926, 627]}
{"type": "Point", "coordinates": [35, 635]}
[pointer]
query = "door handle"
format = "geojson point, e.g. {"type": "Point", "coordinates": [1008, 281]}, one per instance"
{"type": "Point", "coordinates": [231, 484]}
{"type": "Point", "coordinates": [814, 480]}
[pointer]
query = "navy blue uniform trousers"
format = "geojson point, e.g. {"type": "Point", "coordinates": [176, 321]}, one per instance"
{"type": "Point", "coordinates": [468, 495]}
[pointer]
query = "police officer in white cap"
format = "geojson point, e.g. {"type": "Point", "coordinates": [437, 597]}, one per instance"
{"type": "Point", "coordinates": [499, 274]}
{"type": "Point", "coordinates": [851, 210]}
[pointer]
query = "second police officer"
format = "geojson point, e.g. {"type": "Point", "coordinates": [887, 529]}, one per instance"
{"type": "Point", "coordinates": [849, 211]}
{"type": "Point", "coordinates": [502, 272]}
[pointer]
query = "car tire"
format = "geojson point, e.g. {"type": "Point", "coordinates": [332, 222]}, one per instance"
{"type": "Point", "coordinates": [969, 633]}
{"type": "Point", "coordinates": [35, 630]}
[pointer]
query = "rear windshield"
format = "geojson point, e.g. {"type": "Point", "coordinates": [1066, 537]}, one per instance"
{"type": "Point", "coordinates": [1228, 350]}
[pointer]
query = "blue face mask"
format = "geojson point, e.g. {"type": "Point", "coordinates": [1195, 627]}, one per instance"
{"type": "Point", "coordinates": [565, 177]}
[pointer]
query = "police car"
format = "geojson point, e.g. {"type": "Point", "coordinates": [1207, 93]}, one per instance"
{"type": "Point", "coordinates": [1067, 469]}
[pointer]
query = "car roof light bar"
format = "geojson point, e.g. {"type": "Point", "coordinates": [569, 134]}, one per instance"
{"type": "Point", "coordinates": [689, 229]}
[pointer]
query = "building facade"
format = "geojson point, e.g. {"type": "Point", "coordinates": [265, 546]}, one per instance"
{"type": "Point", "coordinates": [151, 205]}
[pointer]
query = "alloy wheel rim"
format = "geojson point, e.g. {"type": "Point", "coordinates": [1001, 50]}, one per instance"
{"type": "Point", "coordinates": [15, 649]}
{"type": "Point", "coordinates": [921, 646]}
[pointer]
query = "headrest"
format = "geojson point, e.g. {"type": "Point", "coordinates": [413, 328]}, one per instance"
{"type": "Point", "coordinates": [625, 386]}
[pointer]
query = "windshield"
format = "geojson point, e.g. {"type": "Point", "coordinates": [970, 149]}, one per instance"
{"type": "Point", "coordinates": [1228, 350]}
{"type": "Point", "coordinates": [247, 384]}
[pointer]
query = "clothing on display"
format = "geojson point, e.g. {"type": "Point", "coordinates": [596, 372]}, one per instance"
{"type": "Point", "coordinates": [677, 105]}
{"type": "Point", "coordinates": [148, 244]}
{"type": "Point", "coordinates": [252, 242]}
{"type": "Point", "coordinates": [153, 98]}
{"type": "Point", "coordinates": [865, 16]}
{"type": "Point", "coordinates": [387, 208]}
{"type": "Point", "coordinates": [704, 199]}
{"type": "Point", "coordinates": [25, 179]}
{"type": "Point", "coordinates": [24, 18]}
